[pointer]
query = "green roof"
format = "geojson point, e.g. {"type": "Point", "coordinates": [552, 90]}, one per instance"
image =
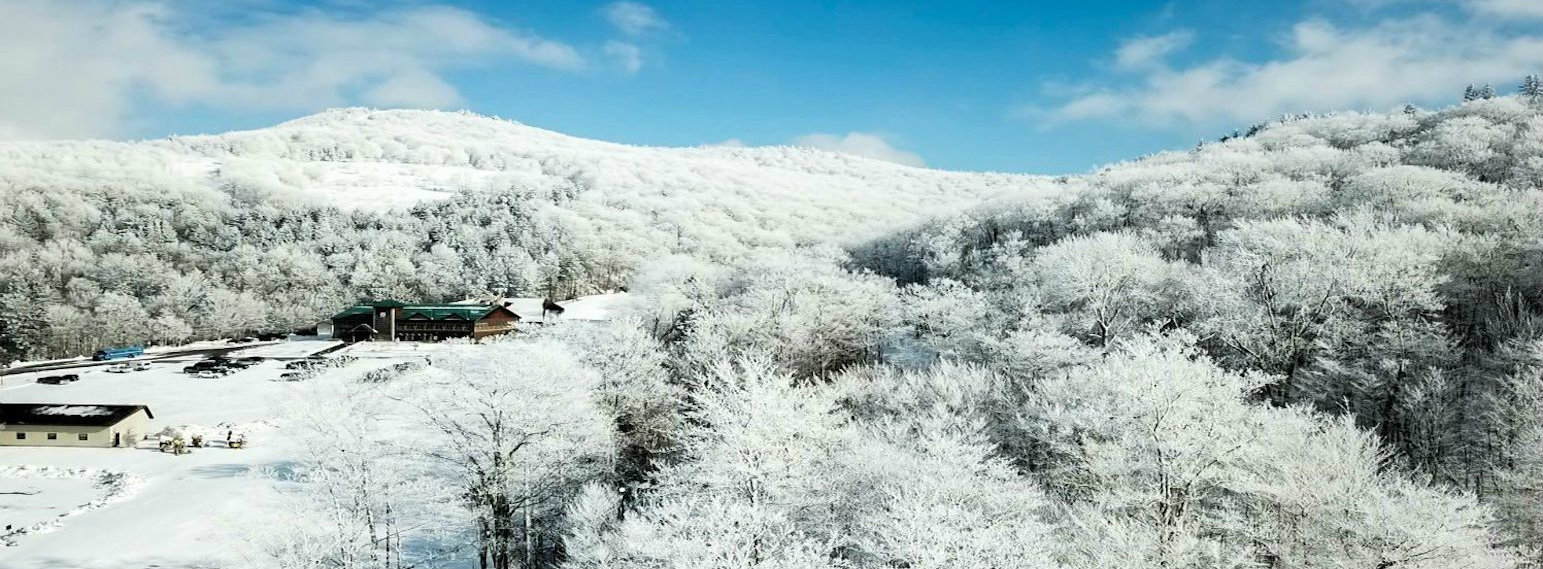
{"type": "Point", "coordinates": [443, 311]}
{"type": "Point", "coordinates": [429, 311]}
{"type": "Point", "coordinates": [355, 311]}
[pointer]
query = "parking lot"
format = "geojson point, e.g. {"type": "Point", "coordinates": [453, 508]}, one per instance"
{"type": "Point", "coordinates": [165, 508]}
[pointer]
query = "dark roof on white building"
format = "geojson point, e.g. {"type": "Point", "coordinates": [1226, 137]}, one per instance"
{"type": "Point", "coordinates": [67, 414]}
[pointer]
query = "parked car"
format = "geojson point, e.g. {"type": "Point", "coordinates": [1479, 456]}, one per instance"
{"type": "Point", "coordinates": [297, 375]}
{"type": "Point", "coordinates": [141, 366]}
{"type": "Point", "coordinates": [59, 379]}
{"type": "Point", "coordinates": [253, 359]}
{"type": "Point", "coordinates": [119, 368]}
{"type": "Point", "coordinates": [119, 352]}
{"type": "Point", "coordinates": [208, 374]}
{"type": "Point", "coordinates": [192, 369]}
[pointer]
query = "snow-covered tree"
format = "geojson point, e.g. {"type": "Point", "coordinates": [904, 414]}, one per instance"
{"type": "Point", "coordinates": [516, 430]}
{"type": "Point", "coordinates": [812, 316]}
{"type": "Point", "coordinates": [360, 495]}
{"type": "Point", "coordinates": [1531, 88]}
{"type": "Point", "coordinates": [1107, 283]}
{"type": "Point", "coordinates": [748, 492]}
{"type": "Point", "coordinates": [634, 388]}
{"type": "Point", "coordinates": [934, 495]}
{"type": "Point", "coordinates": [1166, 464]}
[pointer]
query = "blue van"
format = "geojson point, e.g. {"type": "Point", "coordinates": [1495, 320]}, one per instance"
{"type": "Point", "coordinates": [119, 353]}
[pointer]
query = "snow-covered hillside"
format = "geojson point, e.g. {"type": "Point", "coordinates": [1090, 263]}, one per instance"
{"type": "Point", "coordinates": [292, 221]}
{"type": "Point", "coordinates": [361, 158]}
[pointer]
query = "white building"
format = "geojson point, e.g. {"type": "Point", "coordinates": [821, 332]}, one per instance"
{"type": "Point", "coordinates": [72, 425]}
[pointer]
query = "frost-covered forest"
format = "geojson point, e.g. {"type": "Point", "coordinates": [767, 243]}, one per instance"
{"type": "Point", "coordinates": [209, 236]}
{"type": "Point", "coordinates": [1318, 343]}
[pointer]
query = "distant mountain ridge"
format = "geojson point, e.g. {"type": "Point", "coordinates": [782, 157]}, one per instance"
{"type": "Point", "coordinates": [380, 159]}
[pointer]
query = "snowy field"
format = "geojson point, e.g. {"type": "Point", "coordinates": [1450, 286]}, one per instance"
{"type": "Point", "coordinates": [289, 349]}
{"type": "Point", "coordinates": [595, 307]}
{"type": "Point", "coordinates": [113, 508]}
{"type": "Point", "coordinates": [37, 498]}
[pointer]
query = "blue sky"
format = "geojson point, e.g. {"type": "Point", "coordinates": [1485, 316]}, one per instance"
{"type": "Point", "coordinates": [1038, 87]}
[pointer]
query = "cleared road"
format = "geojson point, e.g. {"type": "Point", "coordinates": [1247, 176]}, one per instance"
{"type": "Point", "coordinates": [206, 352]}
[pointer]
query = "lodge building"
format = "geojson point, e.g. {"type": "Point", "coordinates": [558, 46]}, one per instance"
{"type": "Point", "coordinates": [391, 320]}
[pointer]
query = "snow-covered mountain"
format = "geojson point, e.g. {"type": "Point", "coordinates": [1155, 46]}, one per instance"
{"type": "Point", "coordinates": [290, 222]}
{"type": "Point", "coordinates": [359, 158]}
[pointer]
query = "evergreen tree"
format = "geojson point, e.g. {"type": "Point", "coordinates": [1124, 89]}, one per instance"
{"type": "Point", "coordinates": [1532, 88]}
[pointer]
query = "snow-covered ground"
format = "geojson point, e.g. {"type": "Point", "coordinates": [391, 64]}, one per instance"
{"type": "Point", "coordinates": [390, 350]}
{"type": "Point", "coordinates": [587, 308]}
{"type": "Point", "coordinates": [166, 510]}
{"type": "Point", "coordinates": [32, 501]}
{"type": "Point", "coordinates": [595, 307]}
{"type": "Point", "coordinates": [297, 349]}
{"type": "Point", "coordinates": [40, 499]}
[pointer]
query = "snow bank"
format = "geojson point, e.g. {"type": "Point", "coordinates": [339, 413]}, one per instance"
{"type": "Point", "coordinates": [111, 487]}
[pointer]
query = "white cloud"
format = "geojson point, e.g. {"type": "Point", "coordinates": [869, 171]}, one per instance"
{"type": "Point", "coordinates": [730, 143]}
{"type": "Point", "coordinates": [1517, 9]}
{"type": "Point", "coordinates": [1500, 9]}
{"type": "Point", "coordinates": [626, 56]}
{"type": "Point", "coordinates": [1144, 52]}
{"type": "Point", "coordinates": [634, 18]}
{"type": "Point", "coordinates": [1324, 67]}
{"type": "Point", "coordinates": [1091, 106]}
{"type": "Point", "coordinates": [413, 89]}
{"type": "Point", "coordinates": [81, 69]}
{"type": "Point", "coordinates": [861, 144]}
